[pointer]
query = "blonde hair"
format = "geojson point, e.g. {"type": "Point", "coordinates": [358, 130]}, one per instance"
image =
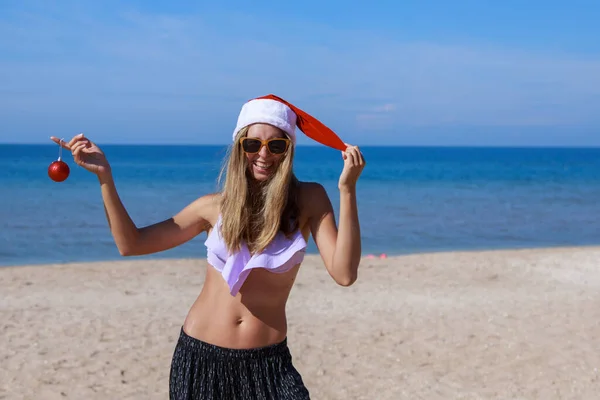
{"type": "Point", "coordinates": [255, 217]}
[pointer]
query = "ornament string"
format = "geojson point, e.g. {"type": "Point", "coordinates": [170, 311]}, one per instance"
{"type": "Point", "coordinates": [60, 149]}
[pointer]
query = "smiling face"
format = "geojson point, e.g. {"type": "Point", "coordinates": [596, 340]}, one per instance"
{"type": "Point", "coordinates": [262, 165]}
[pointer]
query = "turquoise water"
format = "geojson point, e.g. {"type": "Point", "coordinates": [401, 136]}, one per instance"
{"type": "Point", "coordinates": [410, 199]}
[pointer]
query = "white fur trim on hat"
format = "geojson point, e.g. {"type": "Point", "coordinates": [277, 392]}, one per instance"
{"type": "Point", "coordinates": [270, 112]}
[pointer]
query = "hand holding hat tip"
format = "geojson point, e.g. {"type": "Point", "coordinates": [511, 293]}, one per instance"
{"type": "Point", "coordinates": [354, 164]}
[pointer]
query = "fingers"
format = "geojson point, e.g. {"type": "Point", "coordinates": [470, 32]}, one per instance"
{"type": "Point", "coordinates": [355, 155]}
{"type": "Point", "coordinates": [352, 158]}
{"type": "Point", "coordinates": [358, 157]}
{"type": "Point", "coordinates": [361, 158]}
{"type": "Point", "coordinates": [76, 139]}
{"type": "Point", "coordinates": [77, 150]}
{"type": "Point", "coordinates": [60, 142]}
{"type": "Point", "coordinates": [68, 145]}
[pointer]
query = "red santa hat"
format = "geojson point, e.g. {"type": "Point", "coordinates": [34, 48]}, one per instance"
{"type": "Point", "coordinates": [275, 111]}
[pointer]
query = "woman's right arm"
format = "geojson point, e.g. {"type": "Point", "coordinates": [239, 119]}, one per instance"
{"type": "Point", "coordinates": [134, 241]}
{"type": "Point", "coordinates": [131, 240]}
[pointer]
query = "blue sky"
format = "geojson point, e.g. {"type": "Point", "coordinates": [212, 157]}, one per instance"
{"type": "Point", "coordinates": [382, 72]}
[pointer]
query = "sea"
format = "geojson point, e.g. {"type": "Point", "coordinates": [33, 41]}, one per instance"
{"type": "Point", "coordinates": [411, 199]}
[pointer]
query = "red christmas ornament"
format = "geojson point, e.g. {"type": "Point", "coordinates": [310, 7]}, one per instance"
{"type": "Point", "coordinates": [58, 170]}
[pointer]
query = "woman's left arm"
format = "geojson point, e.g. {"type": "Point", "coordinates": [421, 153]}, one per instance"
{"type": "Point", "coordinates": [340, 248]}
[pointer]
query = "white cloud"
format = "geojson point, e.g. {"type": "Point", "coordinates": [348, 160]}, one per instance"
{"type": "Point", "coordinates": [388, 107]}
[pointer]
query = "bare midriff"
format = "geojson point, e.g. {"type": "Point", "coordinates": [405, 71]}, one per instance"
{"type": "Point", "coordinates": [255, 317]}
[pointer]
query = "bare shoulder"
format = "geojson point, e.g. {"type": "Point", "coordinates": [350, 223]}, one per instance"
{"type": "Point", "coordinates": [309, 191]}
{"type": "Point", "coordinates": [313, 199]}
{"type": "Point", "coordinates": [207, 207]}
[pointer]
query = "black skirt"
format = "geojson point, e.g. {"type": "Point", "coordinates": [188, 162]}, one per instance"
{"type": "Point", "coordinates": [201, 370]}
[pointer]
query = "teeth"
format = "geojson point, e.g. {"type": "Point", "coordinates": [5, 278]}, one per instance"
{"type": "Point", "coordinates": [262, 165]}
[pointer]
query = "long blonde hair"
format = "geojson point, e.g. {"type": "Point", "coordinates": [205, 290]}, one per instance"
{"type": "Point", "coordinates": [256, 216]}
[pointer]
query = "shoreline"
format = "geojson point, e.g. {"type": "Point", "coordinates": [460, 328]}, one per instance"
{"type": "Point", "coordinates": [456, 325]}
{"type": "Point", "coordinates": [366, 255]}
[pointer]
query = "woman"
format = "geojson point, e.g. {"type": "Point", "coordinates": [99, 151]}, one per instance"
{"type": "Point", "coordinates": [233, 343]}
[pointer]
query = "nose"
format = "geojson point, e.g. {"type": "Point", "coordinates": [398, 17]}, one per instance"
{"type": "Point", "coordinates": [264, 152]}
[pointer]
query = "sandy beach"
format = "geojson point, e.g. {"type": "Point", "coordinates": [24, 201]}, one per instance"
{"type": "Point", "coordinates": [517, 324]}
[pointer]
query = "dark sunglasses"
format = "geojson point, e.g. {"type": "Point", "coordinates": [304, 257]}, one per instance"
{"type": "Point", "coordinates": [275, 146]}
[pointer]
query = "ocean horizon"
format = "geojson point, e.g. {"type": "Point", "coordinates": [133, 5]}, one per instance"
{"type": "Point", "coordinates": [412, 199]}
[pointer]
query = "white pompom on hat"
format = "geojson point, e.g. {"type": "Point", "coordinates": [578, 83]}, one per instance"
{"type": "Point", "coordinates": [275, 111]}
